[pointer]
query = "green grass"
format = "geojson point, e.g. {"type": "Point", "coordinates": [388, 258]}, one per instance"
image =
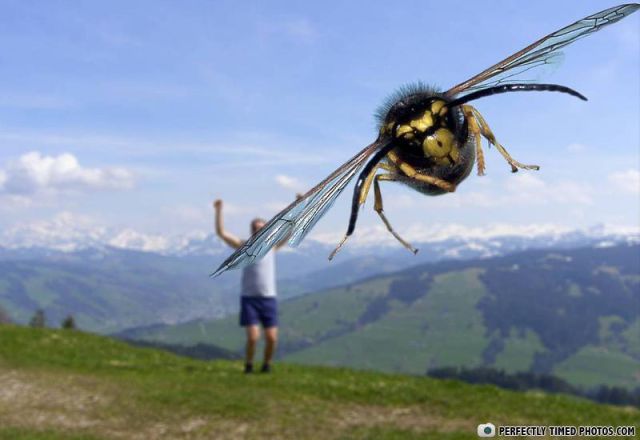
{"type": "Point", "coordinates": [587, 366]}
{"type": "Point", "coordinates": [518, 352]}
{"type": "Point", "coordinates": [121, 291]}
{"type": "Point", "coordinates": [305, 318]}
{"type": "Point", "coordinates": [631, 337]}
{"type": "Point", "coordinates": [71, 385]}
{"type": "Point", "coordinates": [340, 308]}
{"type": "Point", "coordinates": [443, 327]}
{"type": "Point", "coordinates": [31, 434]}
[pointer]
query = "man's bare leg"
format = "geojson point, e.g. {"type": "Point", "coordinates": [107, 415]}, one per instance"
{"type": "Point", "coordinates": [253, 334]}
{"type": "Point", "coordinates": [271, 338]}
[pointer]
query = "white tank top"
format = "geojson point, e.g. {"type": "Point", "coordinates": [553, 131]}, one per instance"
{"type": "Point", "coordinates": [259, 278]}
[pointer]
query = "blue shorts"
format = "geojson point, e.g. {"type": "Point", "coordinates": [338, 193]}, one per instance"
{"type": "Point", "coordinates": [258, 310]}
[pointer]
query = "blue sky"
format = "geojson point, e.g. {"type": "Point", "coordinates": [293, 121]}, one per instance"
{"type": "Point", "coordinates": [138, 114]}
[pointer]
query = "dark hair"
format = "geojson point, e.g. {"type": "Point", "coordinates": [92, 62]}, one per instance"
{"type": "Point", "coordinates": [256, 220]}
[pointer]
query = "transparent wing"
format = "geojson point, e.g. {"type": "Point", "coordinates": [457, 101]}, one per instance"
{"type": "Point", "coordinates": [296, 220]}
{"type": "Point", "coordinates": [543, 52]}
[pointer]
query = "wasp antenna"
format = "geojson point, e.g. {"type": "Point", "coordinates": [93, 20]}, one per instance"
{"type": "Point", "coordinates": [506, 88]}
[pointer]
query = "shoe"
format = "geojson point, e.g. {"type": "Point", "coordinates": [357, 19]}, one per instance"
{"type": "Point", "coordinates": [266, 368]}
{"type": "Point", "coordinates": [248, 368]}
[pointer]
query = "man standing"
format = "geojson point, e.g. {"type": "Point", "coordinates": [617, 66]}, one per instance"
{"type": "Point", "coordinates": [258, 303]}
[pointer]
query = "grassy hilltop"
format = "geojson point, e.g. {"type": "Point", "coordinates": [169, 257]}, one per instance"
{"type": "Point", "coordinates": [571, 313]}
{"type": "Point", "coordinates": [57, 384]}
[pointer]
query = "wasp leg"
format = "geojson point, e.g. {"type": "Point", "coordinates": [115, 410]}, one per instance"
{"type": "Point", "coordinates": [364, 192]}
{"type": "Point", "coordinates": [412, 173]}
{"type": "Point", "coordinates": [474, 128]}
{"type": "Point", "coordinates": [367, 184]}
{"type": "Point", "coordinates": [378, 206]}
{"type": "Point", "coordinates": [488, 134]}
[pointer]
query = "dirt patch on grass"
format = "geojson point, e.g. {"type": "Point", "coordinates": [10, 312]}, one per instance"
{"type": "Point", "coordinates": [28, 399]}
{"type": "Point", "coordinates": [81, 404]}
{"type": "Point", "coordinates": [110, 409]}
{"type": "Point", "coordinates": [413, 418]}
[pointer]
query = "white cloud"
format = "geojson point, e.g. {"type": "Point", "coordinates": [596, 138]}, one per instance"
{"type": "Point", "coordinates": [34, 101]}
{"type": "Point", "coordinates": [33, 173]}
{"type": "Point", "coordinates": [521, 189]}
{"type": "Point", "coordinates": [626, 181]}
{"type": "Point", "coordinates": [576, 148]}
{"type": "Point", "coordinates": [263, 149]}
{"type": "Point", "coordinates": [301, 29]}
{"type": "Point", "coordinates": [298, 29]}
{"type": "Point", "coordinates": [525, 182]}
{"type": "Point", "coordinates": [234, 209]}
{"type": "Point", "coordinates": [288, 182]}
{"type": "Point", "coordinates": [192, 214]}
{"type": "Point", "coordinates": [275, 206]}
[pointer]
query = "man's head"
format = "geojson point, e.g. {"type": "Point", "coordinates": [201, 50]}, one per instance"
{"type": "Point", "coordinates": [257, 224]}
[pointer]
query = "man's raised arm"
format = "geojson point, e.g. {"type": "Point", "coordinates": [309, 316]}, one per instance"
{"type": "Point", "coordinates": [230, 239]}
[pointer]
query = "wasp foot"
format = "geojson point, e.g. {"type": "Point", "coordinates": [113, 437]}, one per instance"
{"type": "Point", "coordinates": [335, 251]}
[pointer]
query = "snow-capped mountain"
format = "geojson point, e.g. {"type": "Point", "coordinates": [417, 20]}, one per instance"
{"type": "Point", "coordinates": [87, 269]}
{"type": "Point", "coordinates": [68, 233]}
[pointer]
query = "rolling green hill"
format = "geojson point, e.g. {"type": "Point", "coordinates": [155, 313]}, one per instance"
{"type": "Point", "coordinates": [4, 317]}
{"type": "Point", "coordinates": [111, 290]}
{"type": "Point", "coordinates": [571, 313]}
{"type": "Point", "coordinates": [68, 385]}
